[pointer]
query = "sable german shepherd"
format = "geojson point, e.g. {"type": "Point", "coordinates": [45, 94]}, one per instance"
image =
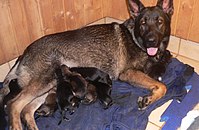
{"type": "Point", "coordinates": [125, 51]}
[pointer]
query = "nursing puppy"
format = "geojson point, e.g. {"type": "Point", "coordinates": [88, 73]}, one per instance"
{"type": "Point", "coordinates": [121, 50]}
{"type": "Point", "coordinates": [157, 69]}
{"type": "Point", "coordinates": [79, 86]}
{"type": "Point", "coordinates": [50, 104]}
{"type": "Point", "coordinates": [66, 100]}
{"type": "Point", "coordinates": [97, 82]}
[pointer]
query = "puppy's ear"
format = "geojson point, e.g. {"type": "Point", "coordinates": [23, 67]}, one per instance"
{"type": "Point", "coordinates": [166, 5]}
{"type": "Point", "coordinates": [65, 70]}
{"type": "Point", "coordinates": [135, 6]}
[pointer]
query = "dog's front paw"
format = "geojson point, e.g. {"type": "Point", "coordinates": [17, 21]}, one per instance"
{"type": "Point", "coordinates": [143, 102]}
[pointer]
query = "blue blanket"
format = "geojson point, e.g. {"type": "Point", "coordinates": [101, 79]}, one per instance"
{"type": "Point", "coordinates": [124, 113]}
{"type": "Point", "coordinates": [174, 114]}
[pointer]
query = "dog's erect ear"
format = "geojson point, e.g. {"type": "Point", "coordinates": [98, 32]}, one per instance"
{"type": "Point", "coordinates": [135, 6]}
{"type": "Point", "coordinates": [166, 5]}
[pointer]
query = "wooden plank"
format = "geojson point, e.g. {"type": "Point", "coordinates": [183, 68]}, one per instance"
{"type": "Point", "coordinates": [176, 4]}
{"type": "Point", "coordinates": [69, 17]}
{"type": "Point", "coordinates": [184, 18]}
{"type": "Point", "coordinates": [115, 10]}
{"type": "Point", "coordinates": [74, 14]}
{"type": "Point", "coordinates": [118, 8]}
{"type": "Point", "coordinates": [92, 10]}
{"type": "Point", "coordinates": [149, 2]}
{"type": "Point", "coordinates": [46, 16]}
{"type": "Point", "coordinates": [58, 15]}
{"type": "Point", "coordinates": [7, 37]}
{"type": "Point", "coordinates": [107, 7]}
{"type": "Point", "coordinates": [194, 30]}
{"type": "Point", "coordinates": [2, 56]}
{"type": "Point", "coordinates": [20, 24]}
{"type": "Point", "coordinates": [33, 19]}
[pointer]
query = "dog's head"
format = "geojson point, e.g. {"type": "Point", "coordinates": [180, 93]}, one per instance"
{"type": "Point", "coordinates": [152, 25]}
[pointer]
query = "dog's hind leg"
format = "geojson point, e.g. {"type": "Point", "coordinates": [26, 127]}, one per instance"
{"type": "Point", "coordinates": [158, 89]}
{"type": "Point", "coordinates": [29, 110]}
{"type": "Point", "coordinates": [28, 94]}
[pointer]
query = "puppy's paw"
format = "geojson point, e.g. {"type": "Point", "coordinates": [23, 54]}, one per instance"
{"type": "Point", "coordinates": [108, 103]}
{"type": "Point", "coordinates": [44, 110]}
{"type": "Point", "coordinates": [143, 102]}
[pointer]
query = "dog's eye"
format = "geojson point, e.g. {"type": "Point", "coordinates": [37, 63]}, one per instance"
{"type": "Point", "coordinates": [142, 22]}
{"type": "Point", "coordinates": [160, 21]}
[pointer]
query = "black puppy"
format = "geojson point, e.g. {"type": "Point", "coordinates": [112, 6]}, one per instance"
{"type": "Point", "coordinates": [66, 95]}
{"type": "Point", "coordinates": [156, 69]}
{"type": "Point", "coordinates": [73, 88]}
{"type": "Point", "coordinates": [87, 84]}
{"type": "Point", "coordinates": [103, 93]}
{"type": "Point", "coordinates": [50, 104]}
{"type": "Point", "coordinates": [66, 101]}
{"type": "Point", "coordinates": [100, 80]}
{"type": "Point", "coordinates": [81, 84]}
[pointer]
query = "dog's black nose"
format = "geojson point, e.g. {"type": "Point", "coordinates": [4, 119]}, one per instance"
{"type": "Point", "coordinates": [151, 39]}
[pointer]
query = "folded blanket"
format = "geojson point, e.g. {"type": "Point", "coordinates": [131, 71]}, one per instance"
{"type": "Point", "coordinates": [124, 113]}
{"type": "Point", "coordinates": [174, 114]}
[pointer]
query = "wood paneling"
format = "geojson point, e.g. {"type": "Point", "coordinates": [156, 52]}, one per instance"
{"type": "Point", "coordinates": [149, 2]}
{"type": "Point", "coordinates": [116, 9]}
{"type": "Point", "coordinates": [93, 10]}
{"type": "Point", "coordinates": [33, 17]}
{"type": "Point", "coordinates": [45, 7]}
{"type": "Point", "coordinates": [24, 21]}
{"type": "Point", "coordinates": [176, 4]}
{"type": "Point", "coordinates": [58, 15]}
{"type": "Point", "coordinates": [7, 35]}
{"type": "Point", "coordinates": [19, 23]}
{"type": "Point", "coordinates": [74, 13]}
{"type": "Point", "coordinates": [184, 18]}
{"type": "Point", "coordinates": [194, 30]}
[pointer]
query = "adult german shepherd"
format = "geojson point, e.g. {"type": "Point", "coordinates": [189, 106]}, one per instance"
{"type": "Point", "coordinates": [125, 51]}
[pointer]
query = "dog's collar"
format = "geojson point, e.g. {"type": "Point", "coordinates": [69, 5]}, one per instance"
{"type": "Point", "coordinates": [136, 41]}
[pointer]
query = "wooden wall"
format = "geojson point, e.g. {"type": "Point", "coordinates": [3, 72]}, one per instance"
{"type": "Point", "coordinates": [23, 21]}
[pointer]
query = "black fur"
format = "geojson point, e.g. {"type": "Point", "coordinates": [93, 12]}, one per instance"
{"type": "Point", "coordinates": [98, 86]}
{"type": "Point", "coordinates": [100, 80]}
{"type": "Point", "coordinates": [14, 90]}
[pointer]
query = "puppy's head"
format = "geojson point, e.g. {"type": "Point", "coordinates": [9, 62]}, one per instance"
{"type": "Point", "coordinates": [79, 85]}
{"type": "Point", "coordinates": [91, 94]}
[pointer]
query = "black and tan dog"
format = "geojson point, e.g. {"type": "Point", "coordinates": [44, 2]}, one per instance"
{"type": "Point", "coordinates": [121, 50]}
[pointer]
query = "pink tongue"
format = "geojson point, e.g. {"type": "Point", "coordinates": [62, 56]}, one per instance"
{"type": "Point", "coordinates": [152, 51]}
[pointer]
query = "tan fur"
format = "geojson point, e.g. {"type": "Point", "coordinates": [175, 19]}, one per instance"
{"type": "Point", "coordinates": [29, 110]}
{"type": "Point", "coordinates": [157, 89]}
{"type": "Point", "coordinates": [16, 105]}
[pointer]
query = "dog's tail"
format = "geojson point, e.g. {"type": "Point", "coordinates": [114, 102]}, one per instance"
{"type": "Point", "coordinates": [4, 90]}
